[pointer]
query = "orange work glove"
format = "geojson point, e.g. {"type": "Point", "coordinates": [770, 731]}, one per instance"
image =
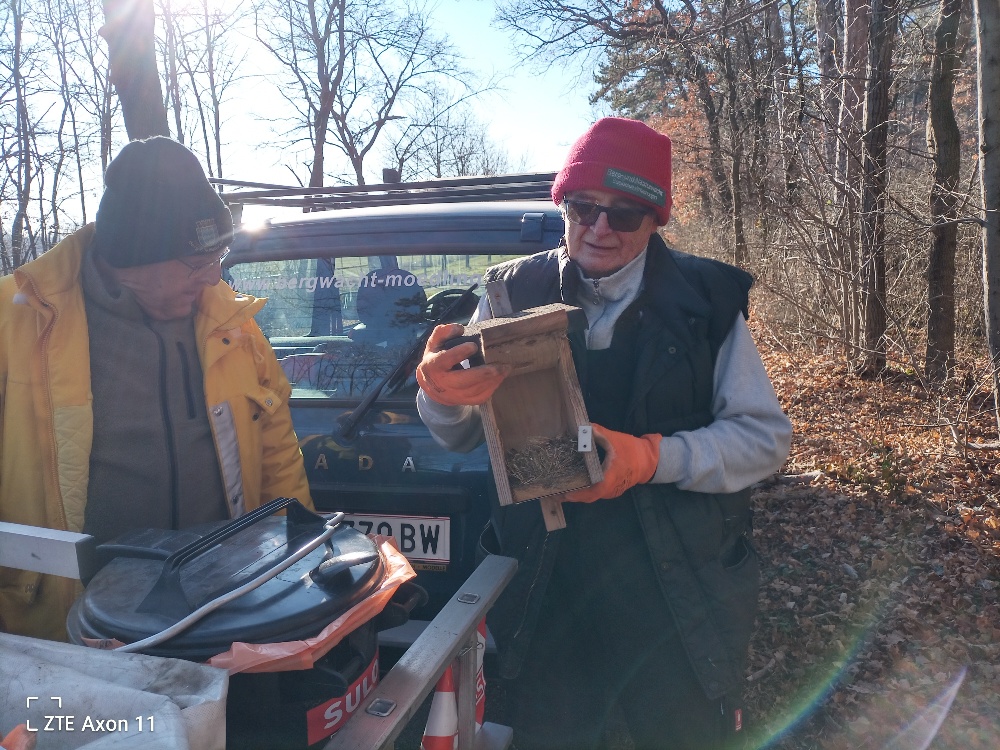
{"type": "Point", "coordinates": [628, 461]}
{"type": "Point", "coordinates": [19, 739]}
{"type": "Point", "coordinates": [459, 386]}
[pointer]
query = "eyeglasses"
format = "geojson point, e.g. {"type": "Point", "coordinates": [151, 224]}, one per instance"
{"type": "Point", "coordinates": [619, 219]}
{"type": "Point", "coordinates": [198, 267]}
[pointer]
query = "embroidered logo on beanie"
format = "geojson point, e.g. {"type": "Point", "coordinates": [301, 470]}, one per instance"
{"type": "Point", "coordinates": [640, 187]}
{"type": "Point", "coordinates": [208, 235]}
{"type": "Point", "coordinates": [623, 156]}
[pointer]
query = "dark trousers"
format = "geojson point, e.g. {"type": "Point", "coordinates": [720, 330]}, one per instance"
{"type": "Point", "coordinates": [605, 637]}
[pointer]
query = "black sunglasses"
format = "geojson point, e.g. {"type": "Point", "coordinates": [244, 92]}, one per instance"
{"type": "Point", "coordinates": [619, 219]}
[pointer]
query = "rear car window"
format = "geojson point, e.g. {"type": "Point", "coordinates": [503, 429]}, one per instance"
{"type": "Point", "coordinates": [340, 325]}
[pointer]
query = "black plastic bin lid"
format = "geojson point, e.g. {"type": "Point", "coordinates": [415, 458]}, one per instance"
{"type": "Point", "coordinates": [120, 601]}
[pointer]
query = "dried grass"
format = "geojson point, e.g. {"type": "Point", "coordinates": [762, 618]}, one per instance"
{"type": "Point", "coordinates": [542, 460]}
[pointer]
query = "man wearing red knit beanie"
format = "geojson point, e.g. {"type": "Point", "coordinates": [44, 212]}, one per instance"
{"type": "Point", "coordinates": [644, 604]}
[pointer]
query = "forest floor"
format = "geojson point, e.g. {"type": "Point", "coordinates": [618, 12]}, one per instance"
{"type": "Point", "coordinates": [879, 622]}
{"type": "Point", "coordinates": [879, 539]}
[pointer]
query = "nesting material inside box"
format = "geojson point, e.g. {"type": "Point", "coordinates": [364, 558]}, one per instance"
{"type": "Point", "coordinates": [532, 422]}
{"type": "Point", "coordinates": [543, 461]}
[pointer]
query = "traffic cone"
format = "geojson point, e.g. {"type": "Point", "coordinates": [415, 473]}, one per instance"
{"type": "Point", "coordinates": [441, 732]}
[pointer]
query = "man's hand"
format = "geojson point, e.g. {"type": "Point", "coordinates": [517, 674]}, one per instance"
{"type": "Point", "coordinates": [628, 461]}
{"type": "Point", "coordinates": [460, 386]}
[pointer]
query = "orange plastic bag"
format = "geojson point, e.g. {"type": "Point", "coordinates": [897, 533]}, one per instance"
{"type": "Point", "coordinates": [292, 655]}
{"type": "Point", "coordinates": [19, 739]}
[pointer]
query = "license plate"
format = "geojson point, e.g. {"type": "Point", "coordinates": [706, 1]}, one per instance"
{"type": "Point", "coordinates": [422, 538]}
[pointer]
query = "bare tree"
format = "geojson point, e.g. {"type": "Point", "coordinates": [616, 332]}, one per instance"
{"type": "Point", "coordinates": [944, 145]}
{"type": "Point", "coordinates": [355, 67]}
{"type": "Point", "coordinates": [46, 128]}
{"type": "Point", "coordinates": [737, 136]}
{"type": "Point", "coordinates": [90, 68]}
{"type": "Point", "coordinates": [883, 24]}
{"type": "Point", "coordinates": [777, 163]}
{"type": "Point", "coordinates": [987, 14]}
{"type": "Point", "coordinates": [650, 54]}
{"type": "Point", "coordinates": [169, 50]}
{"type": "Point", "coordinates": [442, 138]}
{"type": "Point", "coordinates": [789, 71]}
{"type": "Point", "coordinates": [54, 21]}
{"type": "Point", "coordinates": [309, 38]}
{"type": "Point", "coordinates": [128, 30]}
{"type": "Point", "coordinates": [201, 67]}
{"type": "Point", "coordinates": [848, 167]}
{"type": "Point", "coordinates": [399, 56]}
{"type": "Point", "coordinates": [829, 39]}
{"type": "Point", "coordinates": [220, 71]}
{"type": "Point", "coordinates": [22, 168]}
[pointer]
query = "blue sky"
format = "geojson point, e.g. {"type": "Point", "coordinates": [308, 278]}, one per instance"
{"type": "Point", "coordinates": [534, 114]}
{"type": "Point", "coordinates": [540, 112]}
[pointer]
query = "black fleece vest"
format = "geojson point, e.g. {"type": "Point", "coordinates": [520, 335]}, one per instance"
{"type": "Point", "coordinates": [706, 570]}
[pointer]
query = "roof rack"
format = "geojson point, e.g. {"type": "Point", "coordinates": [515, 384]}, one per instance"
{"type": "Point", "coordinates": [528, 186]}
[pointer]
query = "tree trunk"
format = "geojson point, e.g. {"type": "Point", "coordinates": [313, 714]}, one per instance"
{"type": "Point", "coordinates": [329, 75]}
{"type": "Point", "coordinates": [321, 124]}
{"type": "Point", "coordinates": [944, 144]}
{"type": "Point", "coordinates": [793, 117]}
{"type": "Point", "coordinates": [704, 92]}
{"type": "Point", "coordinates": [881, 41]}
{"type": "Point", "coordinates": [706, 99]}
{"type": "Point", "coordinates": [170, 61]}
{"type": "Point", "coordinates": [21, 250]}
{"type": "Point", "coordinates": [837, 247]}
{"type": "Point", "coordinates": [852, 93]}
{"type": "Point", "coordinates": [736, 146]}
{"type": "Point", "coordinates": [213, 88]}
{"type": "Point", "coordinates": [128, 30]}
{"type": "Point", "coordinates": [829, 29]}
{"type": "Point", "coordinates": [988, 44]}
{"type": "Point", "coordinates": [848, 166]}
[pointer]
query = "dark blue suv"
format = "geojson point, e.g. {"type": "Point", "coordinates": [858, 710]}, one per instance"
{"type": "Point", "coordinates": [353, 287]}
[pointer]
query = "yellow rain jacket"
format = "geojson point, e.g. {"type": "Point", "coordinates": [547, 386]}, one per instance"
{"type": "Point", "coordinates": [46, 417]}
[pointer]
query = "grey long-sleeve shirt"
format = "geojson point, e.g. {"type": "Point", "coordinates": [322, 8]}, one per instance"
{"type": "Point", "coordinates": [747, 441]}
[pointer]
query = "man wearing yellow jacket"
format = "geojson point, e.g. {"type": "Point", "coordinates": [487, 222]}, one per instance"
{"type": "Point", "coordinates": [136, 390]}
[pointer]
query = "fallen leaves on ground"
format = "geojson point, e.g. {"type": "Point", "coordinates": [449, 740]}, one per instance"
{"type": "Point", "coordinates": [879, 622]}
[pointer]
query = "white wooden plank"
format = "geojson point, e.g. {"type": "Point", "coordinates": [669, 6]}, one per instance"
{"type": "Point", "coordinates": [58, 553]}
{"type": "Point", "coordinates": [552, 512]}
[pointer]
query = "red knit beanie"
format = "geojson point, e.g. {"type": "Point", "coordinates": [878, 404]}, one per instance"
{"type": "Point", "coordinates": [622, 156]}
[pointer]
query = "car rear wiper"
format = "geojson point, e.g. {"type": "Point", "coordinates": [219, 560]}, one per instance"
{"type": "Point", "coordinates": [407, 363]}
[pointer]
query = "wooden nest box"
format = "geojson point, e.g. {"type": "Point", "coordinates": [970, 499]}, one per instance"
{"type": "Point", "coordinates": [536, 424]}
